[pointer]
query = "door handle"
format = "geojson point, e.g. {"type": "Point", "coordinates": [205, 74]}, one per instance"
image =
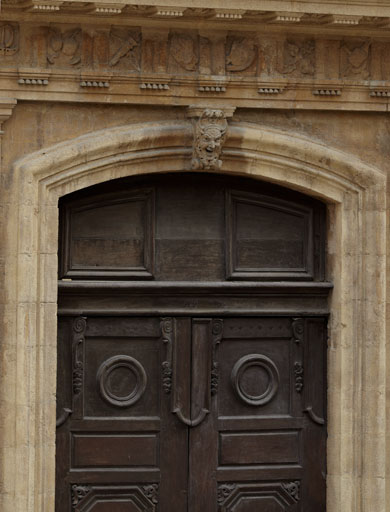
{"type": "Point", "coordinates": [190, 372]}
{"type": "Point", "coordinates": [63, 417]}
{"type": "Point", "coordinates": [191, 423]}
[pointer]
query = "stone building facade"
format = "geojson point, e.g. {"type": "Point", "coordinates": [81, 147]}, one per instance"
{"type": "Point", "coordinates": [293, 93]}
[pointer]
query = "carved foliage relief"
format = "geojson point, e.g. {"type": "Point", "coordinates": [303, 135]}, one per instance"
{"type": "Point", "coordinates": [135, 49]}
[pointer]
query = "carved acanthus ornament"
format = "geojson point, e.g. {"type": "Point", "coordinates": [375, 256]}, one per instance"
{"type": "Point", "coordinates": [210, 131]}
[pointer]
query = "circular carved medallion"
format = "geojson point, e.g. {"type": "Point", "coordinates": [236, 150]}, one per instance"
{"type": "Point", "coordinates": [255, 379]}
{"type": "Point", "coordinates": [121, 380]}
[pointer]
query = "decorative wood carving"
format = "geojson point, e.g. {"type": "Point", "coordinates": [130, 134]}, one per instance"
{"type": "Point", "coordinates": [298, 373]}
{"type": "Point", "coordinates": [265, 364]}
{"type": "Point", "coordinates": [313, 416]}
{"type": "Point", "coordinates": [167, 338]}
{"type": "Point", "coordinates": [298, 329]}
{"type": "Point", "coordinates": [231, 496]}
{"type": "Point", "coordinates": [210, 134]}
{"type": "Point", "coordinates": [9, 39]}
{"type": "Point", "coordinates": [217, 331]}
{"type": "Point", "coordinates": [224, 491]}
{"type": "Point", "coordinates": [63, 417]}
{"type": "Point", "coordinates": [142, 497]}
{"type": "Point", "coordinates": [151, 492]}
{"type": "Point", "coordinates": [79, 492]}
{"type": "Point", "coordinates": [126, 397]}
{"type": "Point", "coordinates": [293, 489]}
{"type": "Point", "coordinates": [79, 327]}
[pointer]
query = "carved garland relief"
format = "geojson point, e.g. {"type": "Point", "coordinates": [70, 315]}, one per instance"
{"type": "Point", "coordinates": [129, 50]}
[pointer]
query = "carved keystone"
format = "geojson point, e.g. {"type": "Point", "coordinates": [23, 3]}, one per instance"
{"type": "Point", "coordinates": [210, 131]}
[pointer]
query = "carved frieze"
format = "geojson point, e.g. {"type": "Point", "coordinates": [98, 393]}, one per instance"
{"type": "Point", "coordinates": [299, 58]}
{"type": "Point", "coordinates": [355, 59]}
{"type": "Point", "coordinates": [241, 54]}
{"type": "Point", "coordinates": [125, 49]}
{"type": "Point", "coordinates": [9, 39]}
{"type": "Point", "coordinates": [248, 66]}
{"type": "Point", "coordinates": [184, 53]}
{"type": "Point", "coordinates": [64, 48]}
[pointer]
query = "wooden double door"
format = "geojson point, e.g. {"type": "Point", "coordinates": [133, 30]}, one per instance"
{"type": "Point", "coordinates": [191, 347]}
{"type": "Point", "coordinates": [191, 414]}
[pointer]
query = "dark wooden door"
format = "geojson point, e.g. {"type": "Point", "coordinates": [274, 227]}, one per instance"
{"type": "Point", "coordinates": [191, 414]}
{"type": "Point", "coordinates": [191, 348]}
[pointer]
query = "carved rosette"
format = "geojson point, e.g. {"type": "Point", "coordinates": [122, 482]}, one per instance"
{"type": "Point", "coordinates": [293, 489]}
{"type": "Point", "coordinates": [78, 493]}
{"type": "Point", "coordinates": [79, 327]}
{"type": "Point", "coordinates": [209, 136]}
{"type": "Point", "coordinates": [167, 338]}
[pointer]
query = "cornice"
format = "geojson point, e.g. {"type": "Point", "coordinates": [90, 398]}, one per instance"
{"type": "Point", "coordinates": [163, 65]}
{"type": "Point", "coordinates": [321, 16]}
{"type": "Point", "coordinates": [6, 107]}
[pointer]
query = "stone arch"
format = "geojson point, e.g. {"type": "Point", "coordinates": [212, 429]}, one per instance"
{"type": "Point", "coordinates": [355, 193]}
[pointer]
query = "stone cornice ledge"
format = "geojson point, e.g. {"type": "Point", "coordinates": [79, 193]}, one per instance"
{"type": "Point", "coordinates": [6, 107]}
{"type": "Point", "coordinates": [374, 13]}
{"type": "Point", "coordinates": [348, 7]}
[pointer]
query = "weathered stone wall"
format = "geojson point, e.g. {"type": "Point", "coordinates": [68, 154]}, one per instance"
{"type": "Point", "coordinates": [291, 121]}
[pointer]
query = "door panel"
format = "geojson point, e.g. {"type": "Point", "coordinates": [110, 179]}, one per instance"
{"type": "Point", "coordinates": [118, 445]}
{"type": "Point", "coordinates": [263, 447]}
{"type": "Point", "coordinates": [191, 414]}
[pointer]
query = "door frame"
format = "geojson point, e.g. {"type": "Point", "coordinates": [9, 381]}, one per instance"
{"type": "Point", "coordinates": [355, 194]}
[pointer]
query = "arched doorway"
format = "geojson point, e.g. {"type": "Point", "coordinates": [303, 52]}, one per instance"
{"type": "Point", "coordinates": [192, 342]}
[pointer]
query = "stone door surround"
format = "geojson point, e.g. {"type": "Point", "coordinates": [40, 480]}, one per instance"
{"type": "Point", "coordinates": [355, 194]}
